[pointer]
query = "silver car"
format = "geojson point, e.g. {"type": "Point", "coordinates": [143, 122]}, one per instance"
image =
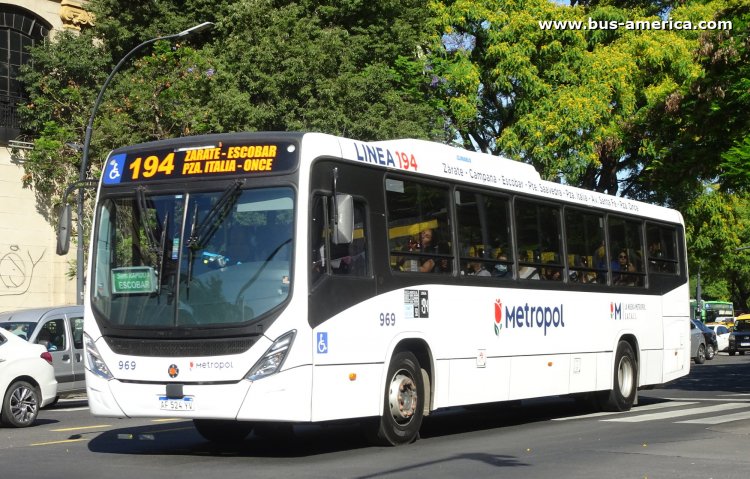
{"type": "Point", "coordinates": [697, 344]}
{"type": "Point", "coordinates": [60, 329]}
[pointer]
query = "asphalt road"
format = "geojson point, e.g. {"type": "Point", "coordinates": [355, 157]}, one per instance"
{"type": "Point", "coordinates": [696, 427]}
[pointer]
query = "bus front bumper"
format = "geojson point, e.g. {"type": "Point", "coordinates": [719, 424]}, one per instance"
{"type": "Point", "coordinates": [282, 397]}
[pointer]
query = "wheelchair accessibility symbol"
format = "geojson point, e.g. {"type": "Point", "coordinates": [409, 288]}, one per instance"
{"type": "Point", "coordinates": [322, 343]}
{"type": "Point", "coordinates": [113, 170]}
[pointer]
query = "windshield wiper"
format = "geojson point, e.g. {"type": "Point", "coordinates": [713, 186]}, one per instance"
{"type": "Point", "coordinates": [140, 196]}
{"type": "Point", "coordinates": [163, 238]}
{"type": "Point", "coordinates": [201, 234]}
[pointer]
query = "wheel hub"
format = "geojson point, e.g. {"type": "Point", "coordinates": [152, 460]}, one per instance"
{"type": "Point", "coordinates": [402, 397]}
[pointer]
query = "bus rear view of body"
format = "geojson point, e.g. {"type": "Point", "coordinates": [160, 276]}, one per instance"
{"type": "Point", "coordinates": [252, 279]}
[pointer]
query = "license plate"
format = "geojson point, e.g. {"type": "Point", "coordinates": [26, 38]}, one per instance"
{"type": "Point", "coordinates": [170, 404]}
{"type": "Point", "coordinates": [744, 344]}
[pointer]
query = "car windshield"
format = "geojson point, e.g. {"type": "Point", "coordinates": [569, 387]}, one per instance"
{"type": "Point", "coordinates": [19, 328]}
{"type": "Point", "coordinates": [192, 259]}
{"type": "Point", "coordinates": [742, 326]}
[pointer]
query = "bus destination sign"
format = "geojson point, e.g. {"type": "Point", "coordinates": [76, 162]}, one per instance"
{"type": "Point", "coordinates": [221, 159]}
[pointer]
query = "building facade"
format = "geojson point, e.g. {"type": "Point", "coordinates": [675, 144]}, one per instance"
{"type": "Point", "coordinates": [31, 273]}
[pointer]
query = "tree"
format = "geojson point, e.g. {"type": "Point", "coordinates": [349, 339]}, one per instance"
{"type": "Point", "coordinates": [574, 102]}
{"type": "Point", "coordinates": [717, 224]}
{"type": "Point", "coordinates": [351, 68]}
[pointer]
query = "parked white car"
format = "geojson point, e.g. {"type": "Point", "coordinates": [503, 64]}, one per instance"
{"type": "Point", "coordinates": [722, 334]}
{"type": "Point", "coordinates": [60, 328]}
{"type": "Point", "coordinates": [27, 380]}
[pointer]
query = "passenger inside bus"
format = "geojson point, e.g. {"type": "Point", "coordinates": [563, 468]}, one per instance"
{"type": "Point", "coordinates": [551, 273]}
{"type": "Point", "coordinates": [424, 243]}
{"type": "Point", "coordinates": [502, 268]}
{"type": "Point", "coordinates": [620, 267]}
{"type": "Point", "coordinates": [525, 271]}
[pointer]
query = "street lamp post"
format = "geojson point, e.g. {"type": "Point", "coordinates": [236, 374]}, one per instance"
{"type": "Point", "coordinates": [82, 181]}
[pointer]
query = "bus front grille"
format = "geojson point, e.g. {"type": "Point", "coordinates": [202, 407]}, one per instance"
{"type": "Point", "coordinates": [178, 347]}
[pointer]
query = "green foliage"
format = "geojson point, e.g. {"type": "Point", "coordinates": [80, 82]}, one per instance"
{"type": "Point", "coordinates": [351, 67]}
{"type": "Point", "coordinates": [717, 225]}
{"type": "Point", "coordinates": [570, 101]}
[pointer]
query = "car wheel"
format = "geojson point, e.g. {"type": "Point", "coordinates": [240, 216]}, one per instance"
{"type": "Point", "coordinates": [700, 358]}
{"type": "Point", "coordinates": [20, 404]}
{"type": "Point", "coordinates": [625, 385]}
{"type": "Point", "coordinates": [710, 351]}
{"type": "Point", "coordinates": [403, 406]}
{"type": "Point", "coordinates": [222, 431]}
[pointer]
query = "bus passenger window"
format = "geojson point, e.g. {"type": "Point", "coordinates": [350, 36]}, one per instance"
{"type": "Point", "coordinates": [337, 259]}
{"type": "Point", "coordinates": [418, 227]}
{"type": "Point", "coordinates": [627, 249]}
{"type": "Point", "coordinates": [538, 236]}
{"type": "Point", "coordinates": [584, 237]}
{"type": "Point", "coordinates": [662, 249]}
{"type": "Point", "coordinates": [484, 234]}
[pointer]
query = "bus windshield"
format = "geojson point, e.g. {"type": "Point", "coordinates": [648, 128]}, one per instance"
{"type": "Point", "coordinates": [183, 259]}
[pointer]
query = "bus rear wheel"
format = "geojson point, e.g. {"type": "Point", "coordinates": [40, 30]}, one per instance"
{"type": "Point", "coordinates": [403, 403]}
{"type": "Point", "coordinates": [625, 385]}
{"type": "Point", "coordinates": [223, 431]}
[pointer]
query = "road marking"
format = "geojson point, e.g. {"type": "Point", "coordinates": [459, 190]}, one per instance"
{"type": "Point", "coordinates": [649, 407]}
{"type": "Point", "coordinates": [738, 416]}
{"type": "Point", "coordinates": [711, 399]}
{"type": "Point", "coordinates": [682, 412]}
{"type": "Point", "coordinates": [83, 408]}
{"type": "Point", "coordinates": [65, 441]}
{"type": "Point", "coordinates": [78, 428]}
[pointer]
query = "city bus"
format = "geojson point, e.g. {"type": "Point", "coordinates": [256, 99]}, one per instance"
{"type": "Point", "coordinates": [256, 280]}
{"type": "Point", "coordinates": [713, 311]}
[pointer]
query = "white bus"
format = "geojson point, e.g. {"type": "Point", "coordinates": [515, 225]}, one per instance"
{"type": "Point", "coordinates": [249, 279]}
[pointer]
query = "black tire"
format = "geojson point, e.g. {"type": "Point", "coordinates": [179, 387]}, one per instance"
{"type": "Point", "coordinates": [710, 351]}
{"type": "Point", "coordinates": [625, 381]}
{"type": "Point", "coordinates": [21, 404]}
{"type": "Point", "coordinates": [403, 403]}
{"type": "Point", "coordinates": [731, 353]}
{"type": "Point", "coordinates": [223, 431]}
{"type": "Point", "coordinates": [700, 357]}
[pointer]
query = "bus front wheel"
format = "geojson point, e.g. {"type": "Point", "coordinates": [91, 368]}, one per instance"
{"type": "Point", "coordinates": [403, 403]}
{"type": "Point", "coordinates": [625, 384]}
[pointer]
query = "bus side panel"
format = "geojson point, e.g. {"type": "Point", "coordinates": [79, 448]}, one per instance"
{"type": "Point", "coordinates": [345, 391]}
{"type": "Point", "coordinates": [676, 317]}
{"type": "Point", "coordinates": [677, 350]}
{"type": "Point", "coordinates": [281, 397]}
{"type": "Point", "coordinates": [651, 367]}
{"type": "Point", "coordinates": [539, 376]}
{"type": "Point", "coordinates": [604, 370]}
{"type": "Point", "coordinates": [583, 372]}
{"type": "Point", "coordinates": [479, 380]}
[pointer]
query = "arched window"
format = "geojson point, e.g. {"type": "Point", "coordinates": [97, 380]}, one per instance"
{"type": "Point", "coordinates": [19, 30]}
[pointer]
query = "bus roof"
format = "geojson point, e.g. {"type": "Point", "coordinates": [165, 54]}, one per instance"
{"type": "Point", "coordinates": [406, 155]}
{"type": "Point", "coordinates": [448, 162]}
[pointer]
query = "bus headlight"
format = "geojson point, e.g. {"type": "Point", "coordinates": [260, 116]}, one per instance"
{"type": "Point", "coordinates": [273, 359]}
{"type": "Point", "coordinates": [94, 361]}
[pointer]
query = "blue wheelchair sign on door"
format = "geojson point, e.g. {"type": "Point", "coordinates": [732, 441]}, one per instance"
{"type": "Point", "coordinates": [322, 343]}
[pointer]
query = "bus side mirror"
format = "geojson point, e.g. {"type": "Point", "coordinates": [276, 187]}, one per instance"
{"type": "Point", "coordinates": [343, 222]}
{"type": "Point", "coordinates": [63, 231]}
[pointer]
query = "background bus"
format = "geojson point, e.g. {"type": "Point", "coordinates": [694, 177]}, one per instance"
{"type": "Point", "coordinates": [253, 279]}
{"type": "Point", "coordinates": [713, 311]}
